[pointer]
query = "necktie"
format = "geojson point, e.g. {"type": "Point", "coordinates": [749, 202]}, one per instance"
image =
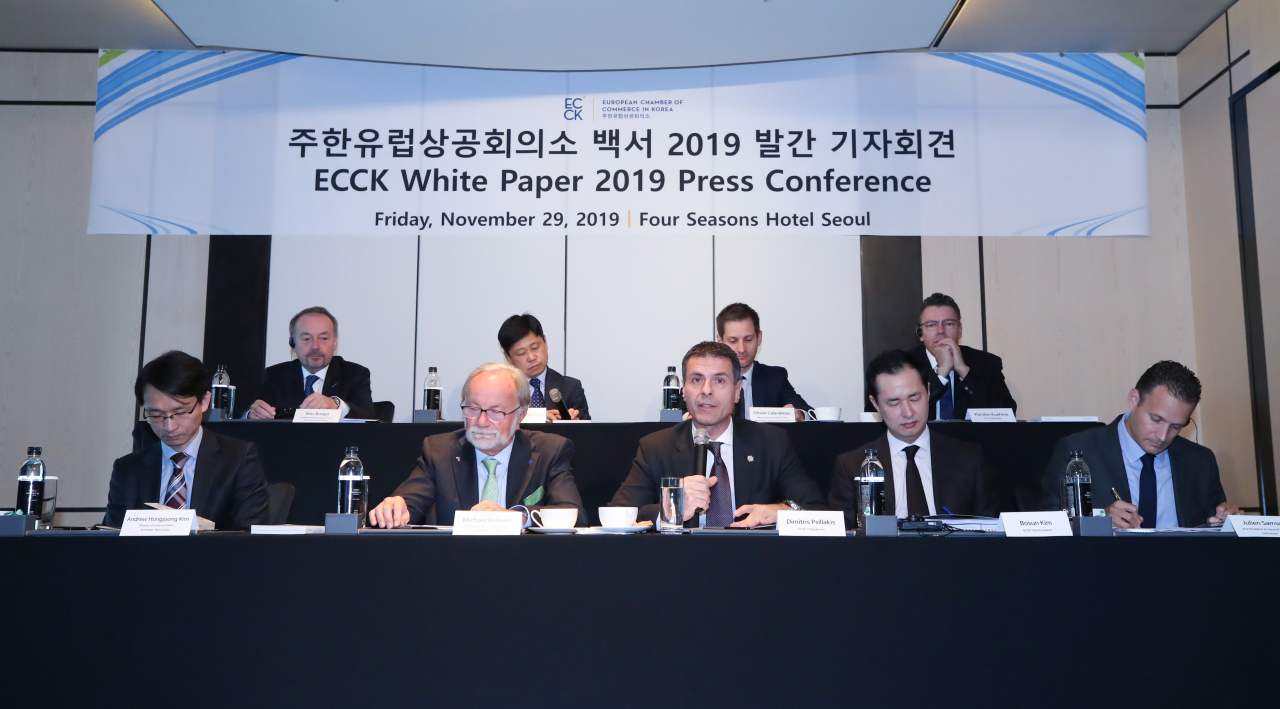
{"type": "Point", "coordinates": [538, 402]}
{"type": "Point", "coordinates": [917, 503]}
{"type": "Point", "coordinates": [721, 512]}
{"type": "Point", "coordinates": [175, 493]}
{"type": "Point", "coordinates": [947, 404]}
{"type": "Point", "coordinates": [311, 384]}
{"type": "Point", "coordinates": [491, 482]}
{"type": "Point", "coordinates": [1147, 491]}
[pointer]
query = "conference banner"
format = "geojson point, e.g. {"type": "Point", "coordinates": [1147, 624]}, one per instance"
{"type": "Point", "coordinates": [208, 142]}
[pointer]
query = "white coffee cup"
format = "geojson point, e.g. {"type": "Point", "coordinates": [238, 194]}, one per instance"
{"type": "Point", "coordinates": [828, 413]}
{"type": "Point", "coordinates": [618, 516]}
{"type": "Point", "coordinates": [555, 518]}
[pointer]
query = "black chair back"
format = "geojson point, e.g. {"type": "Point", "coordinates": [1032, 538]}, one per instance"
{"type": "Point", "coordinates": [384, 411]}
{"type": "Point", "coordinates": [279, 502]}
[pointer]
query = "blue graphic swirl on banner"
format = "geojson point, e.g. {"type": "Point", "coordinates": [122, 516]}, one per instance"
{"type": "Point", "coordinates": [1108, 87]}
{"type": "Point", "coordinates": [154, 224]}
{"type": "Point", "coordinates": [148, 78]}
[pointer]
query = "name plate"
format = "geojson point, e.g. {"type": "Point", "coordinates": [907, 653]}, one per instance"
{"type": "Point", "coordinates": [1036, 524]}
{"type": "Point", "coordinates": [990, 415]}
{"type": "Point", "coordinates": [534, 416]}
{"type": "Point", "coordinates": [487, 524]}
{"type": "Point", "coordinates": [317, 416]}
{"type": "Point", "coordinates": [158, 523]}
{"type": "Point", "coordinates": [815, 523]}
{"type": "Point", "coordinates": [771, 414]}
{"type": "Point", "coordinates": [1251, 526]}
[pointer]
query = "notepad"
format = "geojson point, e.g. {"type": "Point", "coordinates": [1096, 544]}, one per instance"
{"type": "Point", "coordinates": [286, 529]}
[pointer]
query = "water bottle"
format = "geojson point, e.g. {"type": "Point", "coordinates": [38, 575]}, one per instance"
{"type": "Point", "coordinates": [353, 486]}
{"type": "Point", "coordinates": [31, 484]}
{"type": "Point", "coordinates": [431, 392]}
{"type": "Point", "coordinates": [671, 390]}
{"type": "Point", "coordinates": [1077, 487]}
{"type": "Point", "coordinates": [870, 487]}
{"type": "Point", "coordinates": [222, 393]}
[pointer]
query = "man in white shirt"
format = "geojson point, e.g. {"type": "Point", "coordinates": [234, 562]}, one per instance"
{"type": "Point", "coordinates": [963, 378]}
{"type": "Point", "coordinates": [926, 473]}
{"type": "Point", "coordinates": [738, 326]}
{"type": "Point", "coordinates": [752, 469]}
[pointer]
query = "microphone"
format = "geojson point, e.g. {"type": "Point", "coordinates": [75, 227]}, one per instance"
{"type": "Point", "coordinates": [701, 437]}
{"type": "Point", "coordinates": [554, 396]}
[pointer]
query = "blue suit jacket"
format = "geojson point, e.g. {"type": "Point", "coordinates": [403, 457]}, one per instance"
{"type": "Point", "coordinates": [770, 387]}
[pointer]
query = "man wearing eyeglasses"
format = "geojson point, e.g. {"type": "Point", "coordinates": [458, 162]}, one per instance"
{"type": "Point", "coordinates": [190, 468]}
{"type": "Point", "coordinates": [490, 465]}
{"type": "Point", "coordinates": [965, 378]}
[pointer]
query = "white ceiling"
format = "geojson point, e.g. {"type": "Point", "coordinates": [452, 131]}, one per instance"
{"type": "Point", "coordinates": [600, 34]}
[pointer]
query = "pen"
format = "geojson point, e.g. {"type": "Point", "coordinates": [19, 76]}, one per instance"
{"type": "Point", "coordinates": [1117, 496]}
{"type": "Point", "coordinates": [948, 511]}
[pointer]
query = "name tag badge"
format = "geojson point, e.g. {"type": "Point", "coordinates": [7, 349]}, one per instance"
{"type": "Point", "coordinates": [771, 414]}
{"type": "Point", "coordinates": [1252, 526]}
{"type": "Point", "coordinates": [803, 523]}
{"type": "Point", "coordinates": [990, 415]}
{"type": "Point", "coordinates": [487, 524]}
{"type": "Point", "coordinates": [534, 416]}
{"type": "Point", "coordinates": [158, 523]}
{"type": "Point", "coordinates": [1036, 524]}
{"type": "Point", "coordinates": [317, 416]}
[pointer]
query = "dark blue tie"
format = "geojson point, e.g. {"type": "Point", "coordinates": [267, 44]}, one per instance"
{"type": "Point", "coordinates": [309, 389]}
{"type": "Point", "coordinates": [721, 512]}
{"type": "Point", "coordinates": [947, 405]}
{"type": "Point", "coordinates": [537, 402]}
{"type": "Point", "coordinates": [1147, 491]}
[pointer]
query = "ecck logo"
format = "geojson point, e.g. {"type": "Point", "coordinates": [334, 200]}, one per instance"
{"type": "Point", "coordinates": [573, 109]}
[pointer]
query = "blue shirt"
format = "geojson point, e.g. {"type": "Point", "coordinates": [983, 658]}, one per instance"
{"type": "Point", "coordinates": [1166, 507]}
{"type": "Point", "coordinates": [188, 467]}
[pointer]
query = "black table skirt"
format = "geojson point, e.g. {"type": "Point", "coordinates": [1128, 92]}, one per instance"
{"type": "Point", "coordinates": [641, 621]}
{"type": "Point", "coordinates": [308, 455]}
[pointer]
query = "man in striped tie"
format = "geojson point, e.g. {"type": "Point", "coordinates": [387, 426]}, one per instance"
{"type": "Point", "coordinates": [220, 478]}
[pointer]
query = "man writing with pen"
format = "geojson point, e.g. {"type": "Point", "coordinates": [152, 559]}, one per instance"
{"type": "Point", "coordinates": [1143, 471]}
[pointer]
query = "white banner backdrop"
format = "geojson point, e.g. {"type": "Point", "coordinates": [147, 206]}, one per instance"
{"type": "Point", "coordinates": [887, 144]}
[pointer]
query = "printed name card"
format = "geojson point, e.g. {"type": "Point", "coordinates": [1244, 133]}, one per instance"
{"type": "Point", "coordinates": [158, 523]}
{"type": "Point", "coordinates": [804, 523]}
{"type": "Point", "coordinates": [487, 523]}
{"type": "Point", "coordinates": [317, 416]}
{"type": "Point", "coordinates": [534, 416]}
{"type": "Point", "coordinates": [990, 415]}
{"type": "Point", "coordinates": [1251, 526]}
{"type": "Point", "coordinates": [772, 414]}
{"type": "Point", "coordinates": [1036, 524]}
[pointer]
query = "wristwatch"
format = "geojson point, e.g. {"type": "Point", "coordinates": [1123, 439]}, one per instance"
{"type": "Point", "coordinates": [793, 505]}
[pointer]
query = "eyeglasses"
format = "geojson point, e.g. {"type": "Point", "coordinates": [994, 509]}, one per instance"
{"type": "Point", "coordinates": [161, 419]}
{"type": "Point", "coordinates": [495, 415]}
{"type": "Point", "coordinates": [935, 324]}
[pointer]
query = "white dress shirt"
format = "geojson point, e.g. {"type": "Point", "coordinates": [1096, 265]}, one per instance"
{"type": "Point", "coordinates": [318, 388]}
{"type": "Point", "coordinates": [746, 388]}
{"type": "Point", "coordinates": [504, 458]}
{"type": "Point", "coordinates": [726, 455]}
{"type": "Point", "coordinates": [949, 379]}
{"type": "Point", "coordinates": [923, 463]}
{"type": "Point", "coordinates": [188, 467]}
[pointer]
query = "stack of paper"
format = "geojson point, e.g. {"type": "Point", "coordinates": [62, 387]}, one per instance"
{"type": "Point", "coordinates": [286, 529]}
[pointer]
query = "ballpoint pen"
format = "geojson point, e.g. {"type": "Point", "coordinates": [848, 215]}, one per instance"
{"type": "Point", "coordinates": [1117, 495]}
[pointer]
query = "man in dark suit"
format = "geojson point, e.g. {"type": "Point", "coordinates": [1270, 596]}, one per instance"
{"type": "Point", "coordinates": [752, 469]}
{"type": "Point", "coordinates": [926, 473]}
{"type": "Point", "coordinates": [738, 326]}
{"type": "Point", "coordinates": [1164, 480]}
{"type": "Point", "coordinates": [525, 348]}
{"type": "Point", "coordinates": [491, 465]}
{"type": "Point", "coordinates": [965, 378]}
{"type": "Point", "coordinates": [190, 468]}
{"type": "Point", "coordinates": [317, 379]}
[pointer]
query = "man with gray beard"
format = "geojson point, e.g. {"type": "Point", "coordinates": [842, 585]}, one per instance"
{"type": "Point", "coordinates": [490, 465]}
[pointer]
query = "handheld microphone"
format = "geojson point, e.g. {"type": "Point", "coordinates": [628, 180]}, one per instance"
{"type": "Point", "coordinates": [554, 396]}
{"type": "Point", "coordinates": [701, 437]}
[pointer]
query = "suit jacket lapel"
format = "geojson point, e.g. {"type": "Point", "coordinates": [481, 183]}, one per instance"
{"type": "Point", "coordinates": [1181, 488]}
{"type": "Point", "coordinates": [519, 468]}
{"type": "Point", "coordinates": [551, 379]}
{"type": "Point", "coordinates": [1113, 459]}
{"type": "Point", "coordinates": [294, 393]}
{"type": "Point", "coordinates": [208, 464]}
{"type": "Point", "coordinates": [464, 470]}
{"type": "Point", "coordinates": [333, 377]}
{"type": "Point", "coordinates": [746, 480]}
{"type": "Point", "coordinates": [152, 479]}
{"type": "Point", "coordinates": [885, 456]}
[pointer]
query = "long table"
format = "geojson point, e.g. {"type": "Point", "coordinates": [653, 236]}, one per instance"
{"type": "Point", "coordinates": [641, 621]}
{"type": "Point", "coordinates": [307, 455]}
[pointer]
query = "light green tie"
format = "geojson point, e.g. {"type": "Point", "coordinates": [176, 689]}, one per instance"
{"type": "Point", "coordinates": [491, 482]}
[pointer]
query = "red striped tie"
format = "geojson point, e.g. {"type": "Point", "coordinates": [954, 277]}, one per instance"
{"type": "Point", "coordinates": [175, 494]}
